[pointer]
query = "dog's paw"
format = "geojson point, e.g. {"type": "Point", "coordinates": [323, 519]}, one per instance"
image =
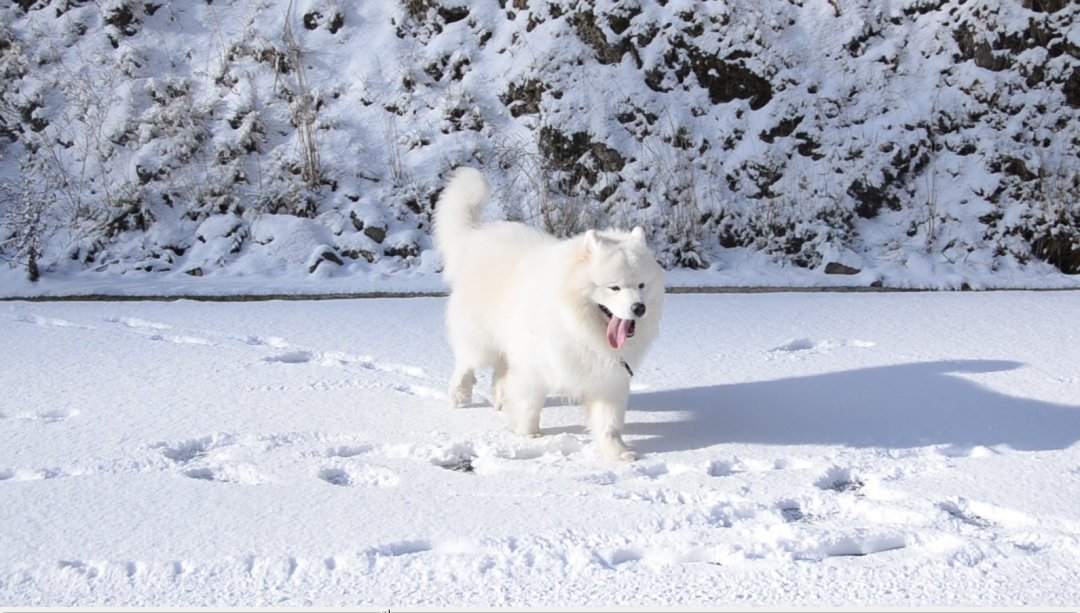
{"type": "Point", "coordinates": [460, 400]}
{"type": "Point", "coordinates": [615, 449]}
{"type": "Point", "coordinates": [527, 432]}
{"type": "Point", "coordinates": [461, 388]}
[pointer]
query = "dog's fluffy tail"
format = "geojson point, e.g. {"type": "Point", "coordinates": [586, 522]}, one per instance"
{"type": "Point", "coordinates": [457, 215]}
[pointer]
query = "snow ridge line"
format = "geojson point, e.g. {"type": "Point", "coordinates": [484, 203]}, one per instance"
{"type": "Point", "coordinates": [712, 289]}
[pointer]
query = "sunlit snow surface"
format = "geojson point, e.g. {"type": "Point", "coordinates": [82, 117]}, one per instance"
{"type": "Point", "coordinates": [798, 449]}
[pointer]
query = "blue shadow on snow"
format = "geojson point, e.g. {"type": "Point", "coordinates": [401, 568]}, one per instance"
{"type": "Point", "coordinates": [908, 405]}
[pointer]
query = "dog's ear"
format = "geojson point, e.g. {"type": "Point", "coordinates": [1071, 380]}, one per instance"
{"type": "Point", "coordinates": [638, 234]}
{"type": "Point", "coordinates": [592, 242]}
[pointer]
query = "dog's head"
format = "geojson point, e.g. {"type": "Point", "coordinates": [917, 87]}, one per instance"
{"type": "Point", "coordinates": [626, 283]}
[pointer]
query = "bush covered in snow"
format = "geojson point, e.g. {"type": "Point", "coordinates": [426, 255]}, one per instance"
{"type": "Point", "coordinates": [197, 137]}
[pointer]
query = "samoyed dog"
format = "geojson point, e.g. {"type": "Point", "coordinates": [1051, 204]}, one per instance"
{"type": "Point", "coordinates": [555, 317]}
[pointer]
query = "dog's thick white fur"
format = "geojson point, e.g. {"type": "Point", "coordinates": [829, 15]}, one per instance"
{"type": "Point", "coordinates": [566, 317]}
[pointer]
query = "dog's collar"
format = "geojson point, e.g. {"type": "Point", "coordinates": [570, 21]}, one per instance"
{"type": "Point", "coordinates": [626, 366]}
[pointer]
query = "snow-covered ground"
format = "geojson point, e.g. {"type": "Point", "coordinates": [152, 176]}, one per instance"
{"type": "Point", "coordinates": [799, 449]}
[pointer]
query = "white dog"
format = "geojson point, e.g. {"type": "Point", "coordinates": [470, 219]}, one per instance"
{"type": "Point", "coordinates": [552, 317]}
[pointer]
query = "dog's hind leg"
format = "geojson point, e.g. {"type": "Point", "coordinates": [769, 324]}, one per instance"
{"type": "Point", "coordinates": [466, 342]}
{"type": "Point", "coordinates": [606, 417]}
{"type": "Point", "coordinates": [498, 384]}
{"type": "Point", "coordinates": [461, 385]}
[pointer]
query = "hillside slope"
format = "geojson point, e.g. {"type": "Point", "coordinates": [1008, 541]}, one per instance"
{"type": "Point", "coordinates": [922, 142]}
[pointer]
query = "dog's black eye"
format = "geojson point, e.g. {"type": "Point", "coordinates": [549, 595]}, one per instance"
{"type": "Point", "coordinates": [641, 286]}
{"type": "Point", "coordinates": [614, 288]}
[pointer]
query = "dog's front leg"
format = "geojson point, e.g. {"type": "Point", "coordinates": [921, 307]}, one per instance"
{"type": "Point", "coordinates": [523, 403]}
{"type": "Point", "coordinates": [498, 385]}
{"type": "Point", "coordinates": [606, 417]}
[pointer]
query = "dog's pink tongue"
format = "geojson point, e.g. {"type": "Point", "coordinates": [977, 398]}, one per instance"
{"type": "Point", "coordinates": [618, 330]}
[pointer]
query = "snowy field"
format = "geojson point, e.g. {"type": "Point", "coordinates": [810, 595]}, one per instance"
{"type": "Point", "coordinates": [799, 449]}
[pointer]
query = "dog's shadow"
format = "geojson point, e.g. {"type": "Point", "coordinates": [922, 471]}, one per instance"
{"type": "Point", "coordinates": [910, 405]}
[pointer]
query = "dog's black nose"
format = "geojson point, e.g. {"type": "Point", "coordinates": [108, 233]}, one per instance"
{"type": "Point", "coordinates": [638, 309]}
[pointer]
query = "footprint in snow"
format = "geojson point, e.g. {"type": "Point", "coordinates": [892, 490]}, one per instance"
{"type": "Point", "coordinates": [269, 341]}
{"type": "Point", "coordinates": [181, 339]}
{"type": "Point", "coordinates": [335, 476]}
{"type": "Point", "coordinates": [643, 473]}
{"type": "Point", "coordinates": [461, 465]}
{"type": "Point", "coordinates": [792, 512]}
{"type": "Point", "coordinates": [735, 466]}
{"type": "Point", "coordinates": [186, 451]}
{"type": "Point", "coordinates": [241, 474]}
{"type": "Point", "coordinates": [155, 331]}
{"type": "Point", "coordinates": [134, 322]}
{"type": "Point", "coordinates": [50, 322]}
{"type": "Point", "coordinates": [348, 451]}
{"type": "Point", "coordinates": [859, 544]}
{"type": "Point", "coordinates": [839, 479]}
{"type": "Point", "coordinates": [45, 417]}
{"type": "Point", "coordinates": [31, 474]}
{"type": "Point", "coordinates": [338, 358]}
{"type": "Point", "coordinates": [959, 510]}
{"type": "Point", "coordinates": [364, 475]}
{"type": "Point", "coordinates": [800, 346]}
{"type": "Point", "coordinates": [400, 548]}
{"type": "Point", "coordinates": [208, 458]}
{"type": "Point", "coordinates": [291, 357]}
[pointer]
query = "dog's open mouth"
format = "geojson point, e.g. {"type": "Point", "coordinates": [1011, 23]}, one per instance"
{"type": "Point", "coordinates": [618, 329]}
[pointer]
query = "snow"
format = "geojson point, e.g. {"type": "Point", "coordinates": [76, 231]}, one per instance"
{"type": "Point", "coordinates": [273, 273]}
{"type": "Point", "coordinates": [799, 449]}
{"type": "Point", "coordinates": [147, 141]}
